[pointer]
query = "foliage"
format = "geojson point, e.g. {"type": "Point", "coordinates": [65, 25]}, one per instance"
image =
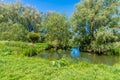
{"type": "Point", "coordinates": [104, 41]}
{"type": "Point", "coordinates": [21, 48]}
{"type": "Point", "coordinates": [118, 34]}
{"type": "Point", "coordinates": [27, 16]}
{"type": "Point", "coordinates": [24, 68]}
{"type": "Point", "coordinates": [10, 31]}
{"type": "Point", "coordinates": [57, 29]}
{"type": "Point", "coordinates": [91, 15]}
{"type": "Point", "coordinates": [16, 20]}
{"type": "Point", "coordinates": [30, 51]}
{"type": "Point", "coordinates": [99, 48]}
{"type": "Point", "coordinates": [33, 37]}
{"type": "Point", "coordinates": [103, 36]}
{"type": "Point", "coordinates": [107, 48]}
{"type": "Point", "coordinates": [94, 26]}
{"type": "Point", "coordinates": [14, 44]}
{"type": "Point", "coordinates": [115, 51]}
{"type": "Point", "coordinates": [41, 47]}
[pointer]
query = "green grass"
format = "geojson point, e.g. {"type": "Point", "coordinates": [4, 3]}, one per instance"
{"type": "Point", "coordinates": [21, 48]}
{"type": "Point", "coordinates": [17, 67]}
{"type": "Point", "coordinates": [26, 68]}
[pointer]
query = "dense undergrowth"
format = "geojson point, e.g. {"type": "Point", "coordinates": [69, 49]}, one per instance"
{"type": "Point", "coordinates": [24, 68]}
{"type": "Point", "coordinates": [101, 49]}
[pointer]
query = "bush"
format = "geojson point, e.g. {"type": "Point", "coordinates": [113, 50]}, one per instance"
{"type": "Point", "coordinates": [30, 51]}
{"type": "Point", "coordinates": [115, 51]}
{"type": "Point", "coordinates": [41, 46]}
{"type": "Point", "coordinates": [100, 48]}
{"type": "Point", "coordinates": [33, 37]}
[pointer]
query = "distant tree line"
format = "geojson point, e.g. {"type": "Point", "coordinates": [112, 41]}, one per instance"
{"type": "Point", "coordinates": [93, 26]}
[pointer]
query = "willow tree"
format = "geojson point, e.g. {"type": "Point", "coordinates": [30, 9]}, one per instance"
{"type": "Point", "coordinates": [56, 29]}
{"type": "Point", "coordinates": [28, 16]}
{"type": "Point", "coordinates": [12, 31]}
{"type": "Point", "coordinates": [91, 15]}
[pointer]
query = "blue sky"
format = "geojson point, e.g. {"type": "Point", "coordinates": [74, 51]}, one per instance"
{"type": "Point", "coordinates": [62, 6]}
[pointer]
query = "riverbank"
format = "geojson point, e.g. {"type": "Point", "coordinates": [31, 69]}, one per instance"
{"type": "Point", "coordinates": [16, 63]}
{"type": "Point", "coordinates": [29, 49]}
{"type": "Point", "coordinates": [42, 50]}
{"type": "Point", "coordinates": [26, 68]}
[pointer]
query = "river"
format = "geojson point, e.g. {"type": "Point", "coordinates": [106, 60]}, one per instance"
{"type": "Point", "coordinates": [86, 57]}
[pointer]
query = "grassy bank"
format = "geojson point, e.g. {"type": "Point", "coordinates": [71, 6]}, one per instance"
{"type": "Point", "coordinates": [14, 65]}
{"type": "Point", "coordinates": [29, 49]}
{"type": "Point", "coordinates": [26, 68]}
{"type": "Point", "coordinates": [21, 48]}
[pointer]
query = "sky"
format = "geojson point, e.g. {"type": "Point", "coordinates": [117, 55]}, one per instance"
{"type": "Point", "coordinates": [63, 6]}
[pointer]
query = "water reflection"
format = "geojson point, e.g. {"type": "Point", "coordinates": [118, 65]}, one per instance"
{"type": "Point", "coordinates": [86, 57]}
{"type": "Point", "coordinates": [100, 59]}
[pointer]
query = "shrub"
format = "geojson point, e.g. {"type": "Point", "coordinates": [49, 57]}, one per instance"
{"type": "Point", "coordinates": [100, 48]}
{"type": "Point", "coordinates": [33, 37]}
{"type": "Point", "coordinates": [115, 51]}
{"type": "Point", "coordinates": [41, 46]}
{"type": "Point", "coordinates": [30, 51]}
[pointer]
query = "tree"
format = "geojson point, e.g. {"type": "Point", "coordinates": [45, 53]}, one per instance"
{"type": "Point", "coordinates": [104, 40]}
{"type": "Point", "coordinates": [57, 29]}
{"type": "Point", "coordinates": [28, 16]}
{"type": "Point", "coordinates": [90, 15]}
{"type": "Point", "coordinates": [10, 31]}
{"type": "Point", "coordinates": [103, 37]}
{"type": "Point", "coordinates": [33, 37]}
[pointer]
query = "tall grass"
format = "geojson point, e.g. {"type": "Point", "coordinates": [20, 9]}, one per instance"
{"type": "Point", "coordinates": [115, 51]}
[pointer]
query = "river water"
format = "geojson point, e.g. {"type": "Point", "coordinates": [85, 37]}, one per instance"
{"type": "Point", "coordinates": [84, 57]}
{"type": "Point", "coordinates": [100, 59]}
